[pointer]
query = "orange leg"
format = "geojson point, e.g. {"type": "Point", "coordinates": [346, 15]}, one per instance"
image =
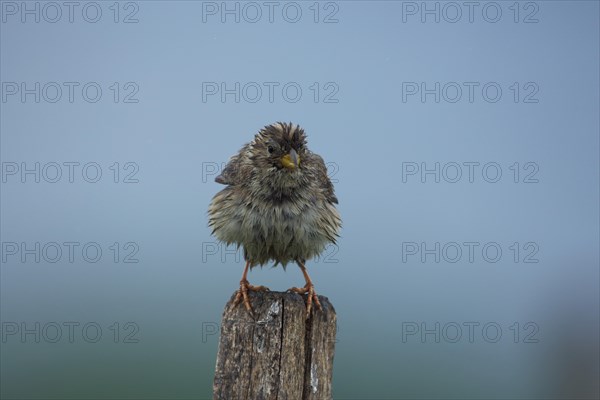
{"type": "Point", "coordinates": [245, 286]}
{"type": "Point", "coordinates": [309, 289]}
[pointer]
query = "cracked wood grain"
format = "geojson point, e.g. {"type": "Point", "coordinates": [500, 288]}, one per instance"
{"type": "Point", "coordinates": [278, 354]}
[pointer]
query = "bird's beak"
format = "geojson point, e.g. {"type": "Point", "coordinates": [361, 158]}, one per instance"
{"type": "Point", "coordinates": [291, 160]}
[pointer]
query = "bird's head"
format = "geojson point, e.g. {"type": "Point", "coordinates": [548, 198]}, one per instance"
{"type": "Point", "coordinates": [280, 145]}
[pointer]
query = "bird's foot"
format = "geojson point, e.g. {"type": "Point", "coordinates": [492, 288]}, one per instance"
{"type": "Point", "coordinates": [242, 294]}
{"type": "Point", "coordinates": [309, 289]}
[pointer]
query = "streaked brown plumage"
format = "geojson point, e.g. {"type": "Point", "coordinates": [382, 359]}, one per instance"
{"type": "Point", "coordinates": [279, 205]}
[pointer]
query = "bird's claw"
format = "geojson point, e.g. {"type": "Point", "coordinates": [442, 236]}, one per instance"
{"type": "Point", "coordinates": [309, 289]}
{"type": "Point", "coordinates": [242, 294]}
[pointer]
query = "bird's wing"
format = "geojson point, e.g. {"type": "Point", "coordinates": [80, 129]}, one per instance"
{"type": "Point", "coordinates": [323, 178]}
{"type": "Point", "coordinates": [231, 172]}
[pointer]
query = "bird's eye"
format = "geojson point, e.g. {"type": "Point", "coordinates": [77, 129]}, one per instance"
{"type": "Point", "coordinates": [270, 149]}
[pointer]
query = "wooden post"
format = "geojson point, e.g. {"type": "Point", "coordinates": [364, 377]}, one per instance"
{"type": "Point", "coordinates": [278, 354]}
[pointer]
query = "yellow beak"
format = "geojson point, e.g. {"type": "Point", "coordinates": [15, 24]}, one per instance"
{"type": "Point", "coordinates": [291, 160]}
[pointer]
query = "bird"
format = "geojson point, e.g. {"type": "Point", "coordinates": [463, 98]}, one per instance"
{"type": "Point", "coordinates": [279, 205]}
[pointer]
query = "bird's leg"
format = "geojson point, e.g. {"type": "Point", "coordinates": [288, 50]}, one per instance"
{"type": "Point", "coordinates": [245, 286]}
{"type": "Point", "coordinates": [309, 289]}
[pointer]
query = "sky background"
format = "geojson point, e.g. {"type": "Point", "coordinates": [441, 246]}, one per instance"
{"type": "Point", "coordinates": [463, 144]}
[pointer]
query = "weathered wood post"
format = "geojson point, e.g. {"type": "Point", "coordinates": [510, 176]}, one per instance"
{"type": "Point", "coordinates": [278, 354]}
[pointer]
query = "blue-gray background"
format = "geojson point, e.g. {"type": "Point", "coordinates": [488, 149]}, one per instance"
{"type": "Point", "coordinates": [175, 294]}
